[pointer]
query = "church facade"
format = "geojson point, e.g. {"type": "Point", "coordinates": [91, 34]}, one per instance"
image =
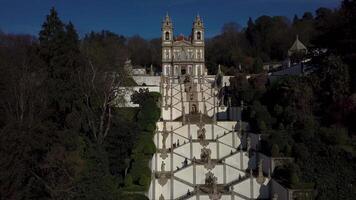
{"type": "Point", "coordinates": [181, 55]}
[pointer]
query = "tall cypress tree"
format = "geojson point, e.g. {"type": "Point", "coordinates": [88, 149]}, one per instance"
{"type": "Point", "coordinates": [59, 48]}
{"type": "Point", "coordinates": [50, 37]}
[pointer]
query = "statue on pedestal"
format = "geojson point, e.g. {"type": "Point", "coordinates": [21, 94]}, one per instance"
{"type": "Point", "coordinates": [162, 175]}
{"type": "Point", "coordinates": [166, 98]}
{"type": "Point", "coordinates": [202, 136]}
{"type": "Point", "coordinates": [212, 182]}
{"type": "Point", "coordinates": [165, 134]}
{"type": "Point", "coordinates": [163, 166]}
{"type": "Point", "coordinates": [205, 157]}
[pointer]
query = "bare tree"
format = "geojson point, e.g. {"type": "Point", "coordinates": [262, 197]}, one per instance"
{"type": "Point", "coordinates": [100, 91]}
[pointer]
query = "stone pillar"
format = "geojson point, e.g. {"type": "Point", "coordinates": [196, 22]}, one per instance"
{"type": "Point", "coordinates": [171, 110]}
{"type": "Point", "coordinates": [233, 137]}
{"type": "Point", "coordinates": [241, 158]}
{"type": "Point", "coordinates": [224, 172]}
{"type": "Point", "coordinates": [230, 108]}
{"type": "Point", "coordinates": [205, 109]}
{"type": "Point", "coordinates": [212, 131]}
{"type": "Point", "coordinates": [214, 107]}
{"type": "Point", "coordinates": [217, 149]}
{"type": "Point", "coordinates": [153, 180]}
{"type": "Point", "coordinates": [196, 70]}
{"type": "Point", "coordinates": [171, 133]}
{"type": "Point", "coordinates": [232, 193]}
{"type": "Point", "coordinates": [190, 140]}
{"type": "Point", "coordinates": [198, 194]}
{"type": "Point", "coordinates": [251, 185]}
{"type": "Point", "coordinates": [159, 147]}
{"type": "Point", "coordinates": [194, 173]}
{"type": "Point", "coordinates": [240, 129]}
{"type": "Point", "coordinates": [171, 154]}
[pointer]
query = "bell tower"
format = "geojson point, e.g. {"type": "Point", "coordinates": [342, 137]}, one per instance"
{"type": "Point", "coordinates": [198, 43]}
{"type": "Point", "coordinates": [167, 42]}
{"type": "Point", "coordinates": [198, 30]}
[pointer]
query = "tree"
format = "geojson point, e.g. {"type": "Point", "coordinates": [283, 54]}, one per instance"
{"type": "Point", "coordinates": [334, 77]}
{"type": "Point", "coordinates": [48, 158]}
{"type": "Point", "coordinates": [140, 51]}
{"type": "Point", "coordinates": [257, 66]}
{"type": "Point", "coordinates": [100, 78]}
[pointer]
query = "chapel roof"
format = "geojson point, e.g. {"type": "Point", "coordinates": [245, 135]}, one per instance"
{"type": "Point", "coordinates": [297, 46]}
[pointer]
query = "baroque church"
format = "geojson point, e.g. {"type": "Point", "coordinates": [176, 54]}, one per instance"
{"type": "Point", "coordinates": [181, 55]}
{"type": "Point", "coordinates": [204, 151]}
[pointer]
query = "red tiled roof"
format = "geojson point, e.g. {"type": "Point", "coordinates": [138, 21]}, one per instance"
{"type": "Point", "coordinates": [180, 38]}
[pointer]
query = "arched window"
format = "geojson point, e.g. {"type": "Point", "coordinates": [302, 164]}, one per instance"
{"type": "Point", "coordinates": [167, 35]}
{"type": "Point", "coordinates": [198, 35]}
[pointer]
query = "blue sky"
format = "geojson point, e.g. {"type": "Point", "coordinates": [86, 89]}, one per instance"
{"type": "Point", "coordinates": [143, 17]}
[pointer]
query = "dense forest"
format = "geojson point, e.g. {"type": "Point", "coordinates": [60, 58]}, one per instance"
{"type": "Point", "coordinates": [309, 118]}
{"type": "Point", "coordinates": [61, 137]}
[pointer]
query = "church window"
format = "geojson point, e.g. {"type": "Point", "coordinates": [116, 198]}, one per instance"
{"type": "Point", "coordinates": [167, 55]}
{"type": "Point", "coordinates": [198, 35]}
{"type": "Point", "coordinates": [167, 35]}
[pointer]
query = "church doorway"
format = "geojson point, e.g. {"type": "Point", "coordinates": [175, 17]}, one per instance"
{"type": "Point", "coordinates": [183, 71]}
{"type": "Point", "coordinates": [193, 109]}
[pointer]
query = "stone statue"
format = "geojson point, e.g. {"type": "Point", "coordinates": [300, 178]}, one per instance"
{"type": "Point", "coordinates": [151, 70]}
{"type": "Point", "coordinates": [260, 178]}
{"type": "Point", "coordinates": [166, 98]}
{"type": "Point", "coordinates": [209, 178]}
{"type": "Point", "coordinates": [166, 103]}
{"type": "Point", "coordinates": [183, 114]}
{"type": "Point", "coordinates": [161, 197]}
{"type": "Point", "coordinates": [163, 166]}
{"type": "Point", "coordinates": [222, 101]}
{"type": "Point", "coordinates": [212, 182]}
{"type": "Point", "coordinates": [205, 108]}
{"type": "Point", "coordinates": [165, 134]}
{"type": "Point", "coordinates": [205, 157]}
{"type": "Point", "coordinates": [162, 180]}
{"type": "Point", "coordinates": [200, 119]}
{"type": "Point", "coordinates": [248, 144]}
{"type": "Point", "coordinates": [205, 154]}
{"type": "Point", "coordinates": [164, 138]}
{"type": "Point", "coordinates": [202, 136]}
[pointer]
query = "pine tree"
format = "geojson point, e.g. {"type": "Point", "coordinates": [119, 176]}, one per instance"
{"type": "Point", "coordinates": [59, 48]}
{"type": "Point", "coordinates": [250, 32]}
{"type": "Point", "coordinates": [50, 36]}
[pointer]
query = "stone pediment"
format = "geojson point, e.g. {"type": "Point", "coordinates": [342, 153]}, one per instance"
{"type": "Point", "coordinates": [182, 43]}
